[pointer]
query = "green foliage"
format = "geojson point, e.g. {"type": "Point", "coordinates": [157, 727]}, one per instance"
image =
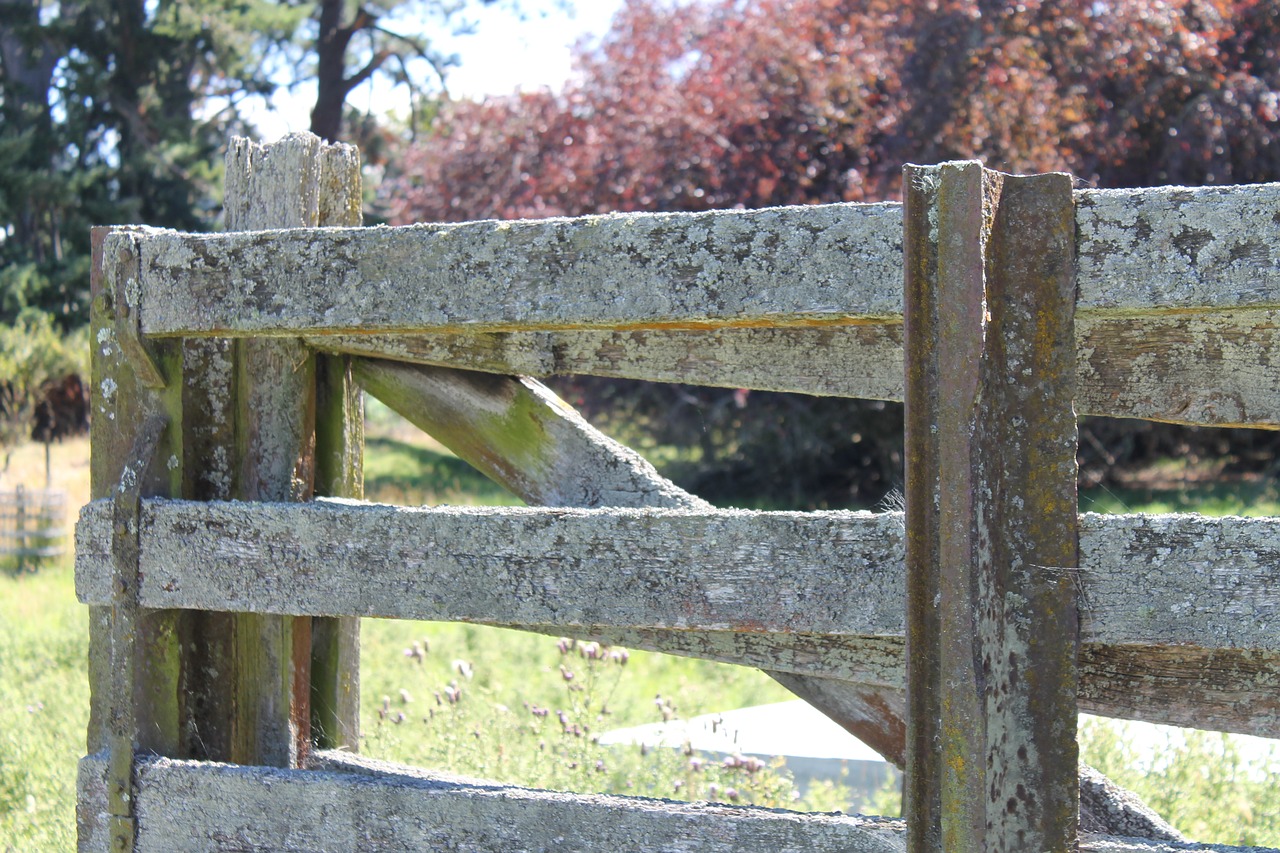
{"type": "Point", "coordinates": [100, 122]}
{"type": "Point", "coordinates": [715, 103]}
{"type": "Point", "coordinates": [434, 478]}
{"type": "Point", "coordinates": [887, 802]}
{"type": "Point", "coordinates": [32, 353]}
{"type": "Point", "coordinates": [1196, 780]}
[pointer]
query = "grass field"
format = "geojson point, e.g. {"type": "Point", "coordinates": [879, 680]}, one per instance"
{"type": "Point", "coordinates": [44, 702]}
{"type": "Point", "coordinates": [503, 682]}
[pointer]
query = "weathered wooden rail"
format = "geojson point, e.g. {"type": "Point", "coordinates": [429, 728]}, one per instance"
{"type": "Point", "coordinates": [223, 596]}
{"type": "Point", "coordinates": [1211, 583]}
{"type": "Point", "coordinates": [1178, 292]}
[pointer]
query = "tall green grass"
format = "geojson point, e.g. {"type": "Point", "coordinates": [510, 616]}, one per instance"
{"type": "Point", "coordinates": [44, 708]}
{"type": "Point", "coordinates": [1198, 781]}
{"type": "Point", "coordinates": [529, 709]}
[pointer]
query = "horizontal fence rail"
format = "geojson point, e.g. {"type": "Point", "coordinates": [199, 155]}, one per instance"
{"type": "Point", "coordinates": [1152, 251]}
{"type": "Point", "coordinates": [1167, 601]}
{"type": "Point", "coordinates": [1178, 292]}
{"type": "Point", "coordinates": [348, 803]}
{"type": "Point", "coordinates": [1163, 579]}
{"type": "Point", "coordinates": [1209, 369]}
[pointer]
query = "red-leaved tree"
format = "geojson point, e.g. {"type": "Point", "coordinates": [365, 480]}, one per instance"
{"type": "Point", "coordinates": [725, 103]}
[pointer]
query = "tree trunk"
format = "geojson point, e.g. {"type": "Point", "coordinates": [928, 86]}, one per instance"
{"type": "Point", "coordinates": [331, 82]}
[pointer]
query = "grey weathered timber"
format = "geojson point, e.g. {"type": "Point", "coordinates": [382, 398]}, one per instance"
{"type": "Point", "coordinates": [992, 638]}
{"type": "Point", "coordinates": [335, 641]}
{"type": "Point", "coordinates": [126, 653]}
{"type": "Point", "coordinates": [520, 434]}
{"type": "Point", "coordinates": [1209, 368]}
{"type": "Point", "coordinates": [122, 403]}
{"type": "Point", "coordinates": [339, 473]}
{"type": "Point", "coordinates": [1219, 689]}
{"type": "Point", "coordinates": [517, 432]}
{"type": "Point", "coordinates": [348, 803]}
{"type": "Point", "coordinates": [272, 186]}
{"type": "Point", "coordinates": [681, 569]}
{"type": "Point", "coordinates": [1174, 248]}
{"type": "Point", "coordinates": [1106, 807]}
{"type": "Point", "coordinates": [860, 360]}
{"type": "Point", "coordinates": [1144, 580]}
{"type": "Point", "coordinates": [782, 266]}
{"type": "Point", "coordinates": [1144, 251]}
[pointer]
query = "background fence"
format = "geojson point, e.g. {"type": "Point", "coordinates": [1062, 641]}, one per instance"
{"type": "Point", "coordinates": [959, 642]}
{"type": "Point", "coordinates": [32, 527]}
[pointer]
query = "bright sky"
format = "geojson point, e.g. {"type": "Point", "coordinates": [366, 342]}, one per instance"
{"type": "Point", "coordinates": [504, 54]}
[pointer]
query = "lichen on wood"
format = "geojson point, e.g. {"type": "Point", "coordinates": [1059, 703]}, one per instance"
{"type": "Point", "coordinates": [1144, 580]}
{"type": "Point", "coordinates": [1164, 250]}
{"type": "Point", "coordinates": [347, 803]}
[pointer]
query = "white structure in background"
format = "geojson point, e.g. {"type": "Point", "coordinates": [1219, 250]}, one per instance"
{"type": "Point", "coordinates": [814, 747]}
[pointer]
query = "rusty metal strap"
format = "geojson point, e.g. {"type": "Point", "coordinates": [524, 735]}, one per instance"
{"type": "Point", "coordinates": [992, 636]}
{"type": "Point", "coordinates": [122, 739]}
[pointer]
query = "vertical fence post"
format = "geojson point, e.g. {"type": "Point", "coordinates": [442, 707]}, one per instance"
{"type": "Point", "coordinates": [228, 438]}
{"type": "Point", "coordinates": [290, 184]}
{"type": "Point", "coordinates": [136, 702]}
{"type": "Point", "coordinates": [20, 527]}
{"type": "Point", "coordinates": [335, 642]}
{"type": "Point", "coordinates": [992, 624]}
{"type": "Point", "coordinates": [127, 392]}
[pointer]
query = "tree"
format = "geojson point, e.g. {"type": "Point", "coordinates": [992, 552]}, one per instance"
{"type": "Point", "coordinates": [721, 103]}
{"type": "Point", "coordinates": [101, 105]}
{"type": "Point", "coordinates": [117, 111]}
{"type": "Point", "coordinates": [33, 358]}
{"type": "Point", "coordinates": [354, 41]}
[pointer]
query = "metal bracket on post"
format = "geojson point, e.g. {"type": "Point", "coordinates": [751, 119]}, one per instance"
{"type": "Point", "coordinates": [126, 511]}
{"type": "Point", "coordinates": [992, 521]}
{"type": "Point", "coordinates": [125, 273]}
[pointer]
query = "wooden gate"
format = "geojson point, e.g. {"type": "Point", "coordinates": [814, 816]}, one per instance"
{"type": "Point", "coordinates": [225, 568]}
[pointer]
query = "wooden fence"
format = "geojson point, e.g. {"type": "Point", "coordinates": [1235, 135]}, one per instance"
{"type": "Point", "coordinates": [32, 528]}
{"type": "Point", "coordinates": [960, 642]}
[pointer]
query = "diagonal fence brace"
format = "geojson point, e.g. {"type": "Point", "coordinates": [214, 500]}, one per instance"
{"type": "Point", "coordinates": [992, 538]}
{"type": "Point", "coordinates": [122, 741]}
